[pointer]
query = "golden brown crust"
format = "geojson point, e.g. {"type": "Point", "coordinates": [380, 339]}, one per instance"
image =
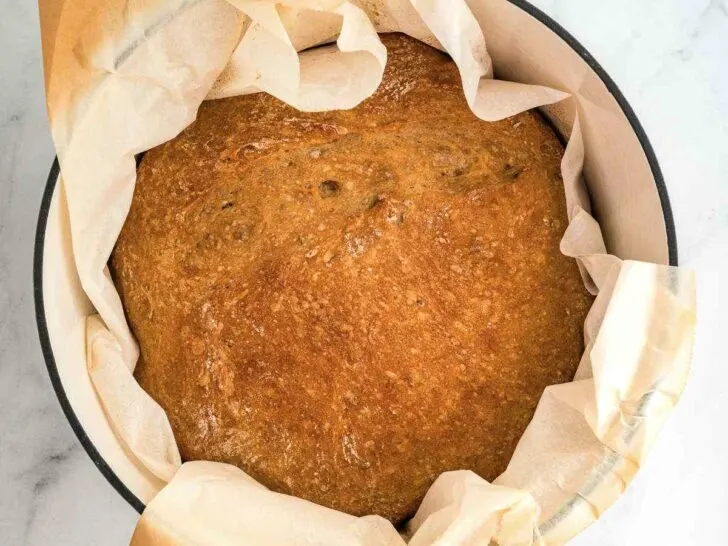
{"type": "Point", "coordinates": [347, 304]}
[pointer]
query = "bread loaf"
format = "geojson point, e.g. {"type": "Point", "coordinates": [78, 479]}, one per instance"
{"type": "Point", "coordinates": [347, 304]}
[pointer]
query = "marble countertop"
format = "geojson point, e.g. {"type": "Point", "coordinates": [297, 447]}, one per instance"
{"type": "Point", "coordinates": [669, 57]}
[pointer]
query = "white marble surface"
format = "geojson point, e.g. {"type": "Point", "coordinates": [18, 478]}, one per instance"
{"type": "Point", "coordinates": [670, 58]}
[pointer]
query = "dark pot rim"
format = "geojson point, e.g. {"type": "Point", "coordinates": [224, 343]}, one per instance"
{"type": "Point", "coordinates": [86, 442]}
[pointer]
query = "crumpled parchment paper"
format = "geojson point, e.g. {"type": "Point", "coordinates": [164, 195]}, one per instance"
{"type": "Point", "coordinates": [123, 77]}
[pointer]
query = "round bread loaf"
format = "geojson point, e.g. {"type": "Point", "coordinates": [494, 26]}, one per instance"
{"type": "Point", "coordinates": [347, 304]}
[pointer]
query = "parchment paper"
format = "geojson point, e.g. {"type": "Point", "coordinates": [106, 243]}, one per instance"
{"type": "Point", "coordinates": [124, 77]}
